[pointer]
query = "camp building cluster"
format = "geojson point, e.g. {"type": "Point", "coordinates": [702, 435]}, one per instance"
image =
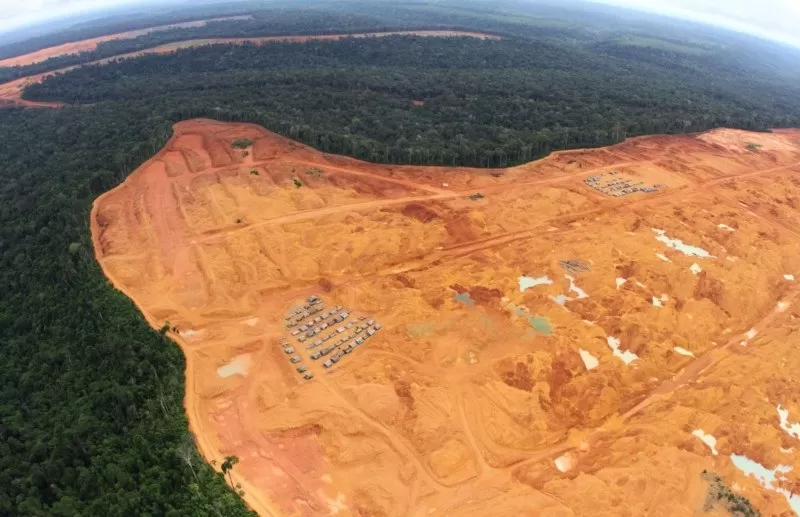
{"type": "Point", "coordinates": [611, 185]}
{"type": "Point", "coordinates": [330, 333]}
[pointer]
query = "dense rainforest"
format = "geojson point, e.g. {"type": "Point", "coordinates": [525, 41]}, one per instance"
{"type": "Point", "coordinates": [91, 416]}
{"type": "Point", "coordinates": [455, 101]}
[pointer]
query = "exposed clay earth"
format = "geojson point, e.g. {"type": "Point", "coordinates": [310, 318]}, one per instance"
{"type": "Point", "coordinates": [88, 45]}
{"type": "Point", "coordinates": [501, 383]}
{"type": "Point", "coordinates": [11, 92]}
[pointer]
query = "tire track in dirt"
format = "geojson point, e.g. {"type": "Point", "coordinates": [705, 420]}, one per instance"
{"type": "Point", "coordinates": [445, 194]}
{"type": "Point", "coordinates": [398, 443]}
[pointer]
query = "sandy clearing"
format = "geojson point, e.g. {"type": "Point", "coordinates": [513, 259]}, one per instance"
{"type": "Point", "coordinates": [457, 409]}
{"type": "Point", "coordinates": [90, 44]}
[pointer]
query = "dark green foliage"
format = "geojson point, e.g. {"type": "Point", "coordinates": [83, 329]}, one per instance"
{"type": "Point", "coordinates": [241, 143]}
{"type": "Point", "coordinates": [719, 493]}
{"type": "Point", "coordinates": [487, 103]}
{"type": "Point", "coordinates": [227, 466]}
{"type": "Point", "coordinates": [297, 183]}
{"type": "Point", "coordinates": [254, 172]}
{"type": "Point", "coordinates": [91, 414]}
{"type": "Point", "coordinates": [263, 23]}
{"type": "Point", "coordinates": [476, 196]}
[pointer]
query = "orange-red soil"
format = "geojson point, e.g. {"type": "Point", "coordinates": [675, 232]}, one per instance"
{"type": "Point", "coordinates": [462, 409]}
{"type": "Point", "coordinates": [11, 92]}
{"type": "Point", "coordinates": [87, 45]}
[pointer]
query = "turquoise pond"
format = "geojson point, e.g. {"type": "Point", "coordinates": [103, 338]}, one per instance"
{"type": "Point", "coordinates": [464, 298]}
{"type": "Point", "coordinates": [539, 323]}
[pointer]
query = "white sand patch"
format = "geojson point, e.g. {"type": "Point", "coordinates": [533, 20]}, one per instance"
{"type": "Point", "coordinates": [626, 356]}
{"type": "Point", "coordinates": [787, 451]}
{"type": "Point", "coordinates": [767, 478]}
{"type": "Point", "coordinates": [504, 299]}
{"type": "Point", "coordinates": [782, 306]}
{"type": "Point", "coordinates": [731, 258]}
{"type": "Point", "coordinates": [726, 228]}
{"type": "Point", "coordinates": [641, 285]}
{"type": "Point", "coordinates": [695, 269]}
{"type": "Point", "coordinates": [589, 361]}
{"type": "Point", "coordinates": [191, 335]}
{"type": "Point", "coordinates": [794, 429]}
{"type": "Point", "coordinates": [683, 351]}
{"type": "Point", "coordinates": [565, 462]}
{"type": "Point", "coordinates": [750, 334]}
{"type": "Point", "coordinates": [575, 289]}
{"type": "Point", "coordinates": [790, 278]}
{"type": "Point", "coordinates": [445, 185]}
{"type": "Point", "coordinates": [657, 302]}
{"type": "Point", "coordinates": [526, 282]}
{"type": "Point", "coordinates": [335, 505]}
{"type": "Point", "coordinates": [664, 298]}
{"type": "Point", "coordinates": [238, 366]}
{"type": "Point", "coordinates": [621, 282]}
{"type": "Point", "coordinates": [663, 257]}
{"type": "Point", "coordinates": [252, 322]}
{"type": "Point", "coordinates": [692, 251]}
{"type": "Point", "coordinates": [707, 439]}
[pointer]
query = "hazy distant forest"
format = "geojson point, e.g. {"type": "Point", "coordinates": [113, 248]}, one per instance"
{"type": "Point", "coordinates": [91, 416]}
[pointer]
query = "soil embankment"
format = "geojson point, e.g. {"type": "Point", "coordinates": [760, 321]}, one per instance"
{"type": "Point", "coordinates": [90, 44]}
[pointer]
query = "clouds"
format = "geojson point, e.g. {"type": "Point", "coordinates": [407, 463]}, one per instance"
{"type": "Point", "coordinates": [772, 19]}
{"type": "Point", "coordinates": [18, 13]}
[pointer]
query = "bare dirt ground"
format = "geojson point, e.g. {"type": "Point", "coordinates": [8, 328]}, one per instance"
{"type": "Point", "coordinates": [11, 92]}
{"type": "Point", "coordinates": [90, 44]}
{"type": "Point", "coordinates": [575, 396]}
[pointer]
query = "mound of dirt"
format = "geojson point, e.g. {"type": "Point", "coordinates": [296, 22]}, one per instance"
{"type": "Point", "coordinates": [419, 212]}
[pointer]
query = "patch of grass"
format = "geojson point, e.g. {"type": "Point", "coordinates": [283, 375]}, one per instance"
{"type": "Point", "coordinates": [254, 172]}
{"type": "Point", "coordinates": [752, 146]}
{"type": "Point", "coordinates": [476, 196]}
{"type": "Point", "coordinates": [297, 183]}
{"type": "Point", "coordinates": [315, 172]}
{"type": "Point", "coordinates": [241, 143]}
{"type": "Point", "coordinates": [719, 493]}
{"type": "Point", "coordinates": [660, 44]}
{"type": "Point", "coordinates": [501, 16]}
